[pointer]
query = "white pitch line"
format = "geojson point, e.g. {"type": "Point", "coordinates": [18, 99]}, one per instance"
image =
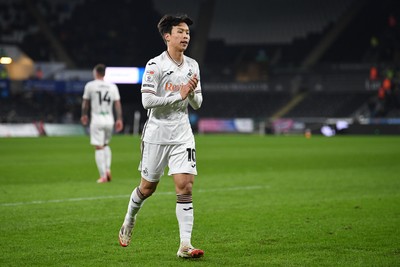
{"type": "Point", "coordinates": [126, 196]}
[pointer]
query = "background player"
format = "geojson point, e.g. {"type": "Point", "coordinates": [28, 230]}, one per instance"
{"type": "Point", "coordinates": [170, 84]}
{"type": "Point", "coordinates": [101, 96]}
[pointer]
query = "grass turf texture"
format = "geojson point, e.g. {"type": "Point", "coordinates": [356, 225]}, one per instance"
{"type": "Point", "coordinates": [259, 201]}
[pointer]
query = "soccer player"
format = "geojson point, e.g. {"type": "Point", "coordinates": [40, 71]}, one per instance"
{"type": "Point", "coordinates": [102, 97]}
{"type": "Point", "coordinates": [170, 84]}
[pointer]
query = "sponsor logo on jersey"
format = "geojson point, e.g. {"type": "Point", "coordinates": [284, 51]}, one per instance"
{"type": "Point", "coordinates": [151, 63]}
{"type": "Point", "coordinates": [173, 87]}
{"type": "Point", "coordinates": [170, 72]}
{"type": "Point", "coordinates": [149, 76]}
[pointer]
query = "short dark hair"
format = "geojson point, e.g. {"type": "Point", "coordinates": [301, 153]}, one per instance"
{"type": "Point", "coordinates": [168, 21]}
{"type": "Point", "coordinates": [100, 69]}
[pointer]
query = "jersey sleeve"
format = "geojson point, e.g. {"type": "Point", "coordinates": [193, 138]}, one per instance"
{"type": "Point", "coordinates": [196, 98]}
{"type": "Point", "coordinates": [86, 93]}
{"type": "Point", "coordinates": [116, 93]}
{"type": "Point", "coordinates": [197, 73]}
{"type": "Point", "coordinates": [151, 77]}
{"type": "Point", "coordinates": [152, 101]}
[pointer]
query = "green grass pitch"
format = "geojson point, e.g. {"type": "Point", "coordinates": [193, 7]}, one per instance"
{"type": "Point", "coordinates": [259, 201]}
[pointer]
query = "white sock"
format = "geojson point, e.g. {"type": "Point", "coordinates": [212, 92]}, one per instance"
{"type": "Point", "coordinates": [101, 162]}
{"type": "Point", "coordinates": [108, 156]}
{"type": "Point", "coordinates": [185, 216]}
{"type": "Point", "coordinates": [135, 203]}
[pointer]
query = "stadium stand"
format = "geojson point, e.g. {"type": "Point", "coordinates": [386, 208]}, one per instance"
{"type": "Point", "coordinates": [237, 23]}
{"type": "Point", "coordinates": [329, 104]}
{"type": "Point", "coordinates": [14, 21]}
{"type": "Point", "coordinates": [373, 21]}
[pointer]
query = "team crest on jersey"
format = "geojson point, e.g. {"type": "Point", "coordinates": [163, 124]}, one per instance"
{"type": "Point", "coordinates": [190, 73]}
{"type": "Point", "coordinates": [149, 76]}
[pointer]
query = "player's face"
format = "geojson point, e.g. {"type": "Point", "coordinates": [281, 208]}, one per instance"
{"type": "Point", "coordinates": [179, 37]}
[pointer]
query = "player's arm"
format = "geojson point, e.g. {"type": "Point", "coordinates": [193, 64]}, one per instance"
{"type": "Point", "coordinates": [195, 97]}
{"type": "Point", "coordinates": [150, 100]}
{"type": "Point", "coordinates": [151, 79]}
{"type": "Point", "coordinates": [84, 113]}
{"type": "Point", "coordinates": [118, 112]}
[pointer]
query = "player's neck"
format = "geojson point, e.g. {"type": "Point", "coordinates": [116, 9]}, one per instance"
{"type": "Point", "coordinates": [176, 56]}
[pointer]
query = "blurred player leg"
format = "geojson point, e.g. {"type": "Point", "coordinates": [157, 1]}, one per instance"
{"type": "Point", "coordinates": [108, 131]}
{"type": "Point", "coordinates": [101, 164]}
{"type": "Point", "coordinates": [108, 156]}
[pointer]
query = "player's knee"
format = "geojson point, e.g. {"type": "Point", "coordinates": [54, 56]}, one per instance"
{"type": "Point", "coordinates": [146, 193]}
{"type": "Point", "coordinates": [185, 188]}
{"type": "Point", "coordinates": [147, 189]}
{"type": "Point", "coordinates": [188, 189]}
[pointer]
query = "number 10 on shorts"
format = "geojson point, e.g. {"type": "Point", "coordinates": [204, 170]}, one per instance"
{"type": "Point", "coordinates": [191, 154]}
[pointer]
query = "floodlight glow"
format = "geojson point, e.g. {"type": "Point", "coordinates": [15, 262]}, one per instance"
{"type": "Point", "coordinates": [5, 60]}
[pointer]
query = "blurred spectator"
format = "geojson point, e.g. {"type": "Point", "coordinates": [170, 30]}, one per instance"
{"type": "Point", "coordinates": [3, 72]}
{"type": "Point", "coordinates": [374, 48]}
{"type": "Point", "coordinates": [262, 60]}
{"type": "Point", "coordinates": [387, 84]}
{"type": "Point", "coordinates": [392, 22]}
{"type": "Point", "coordinates": [373, 73]}
{"type": "Point", "coordinates": [389, 74]}
{"type": "Point", "coordinates": [39, 73]}
{"type": "Point", "coordinates": [380, 104]}
{"type": "Point", "coordinates": [374, 41]}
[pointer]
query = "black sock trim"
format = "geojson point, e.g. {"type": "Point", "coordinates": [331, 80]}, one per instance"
{"type": "Point", "coordinates": [140, 194]}
{"type": "Point", "coordinates": [184, 199]}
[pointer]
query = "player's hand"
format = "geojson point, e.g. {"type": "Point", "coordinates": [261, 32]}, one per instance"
{"type": "Point", "coordinates": [84, 120]}
{"type": "Point", "coordinates": [119, 125]}
{"type": "Point", "coordinates": [189, 87]}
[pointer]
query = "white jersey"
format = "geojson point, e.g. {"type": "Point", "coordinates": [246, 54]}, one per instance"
{"type": "Point", "coordinates": [101, 95]}
{"type": "Point", "coordinates": [168, 123]}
